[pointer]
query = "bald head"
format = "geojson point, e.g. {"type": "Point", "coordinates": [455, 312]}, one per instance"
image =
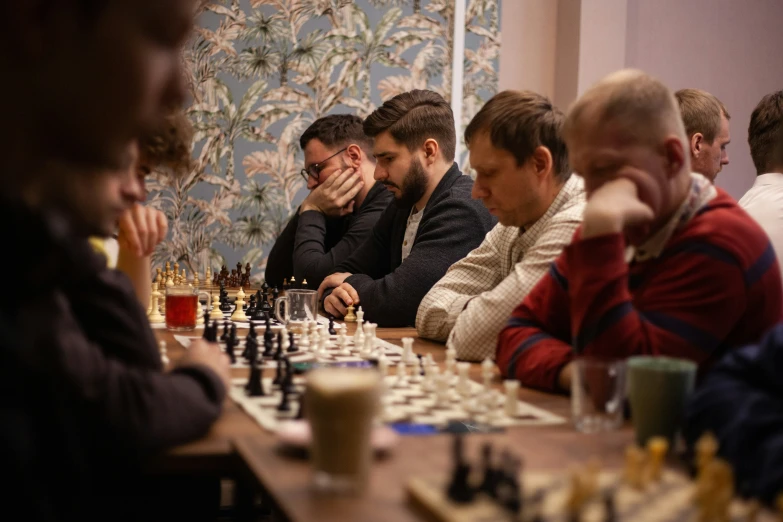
{"type": "Point", "coordinates": [636, 105]}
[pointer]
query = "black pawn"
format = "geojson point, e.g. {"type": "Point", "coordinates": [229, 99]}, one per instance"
{"type": "Point", "coordinates": [332, 331]}
{"type": "Point", "coordinates": [459, 490]}
{"type": "Point", "coordinates": [206, 321]}
{"type": "Point", "coordinates": [300, 415]}
{"type": "Point", "coordinates": [278, 380]}
{"type": "Point", "coordinates": [279, 351]}
{"type": "Point", "coordinates": [509, 489]}
{"type": "Point", "coordinates": [489, 484]}
{"type": "Point", "coordinates": [255, 385]}
{"type": "Point", "coordinates": [264, 287]}
{"type": "Point", "coordinates": [213, 332]}
{"type": "Point", "coordinates": [269, 346]}
{"type": "Point", "coordinates": [268, 333]}
{"type": "Point", "coordinates": [288, 378]}
{"type": "Point", "coordinates": [251, 309]}
{"type": "Point", "coordinates": [250, 352]}
{"type": "Point", "coordinates": [265, 306]}
{"type": "Point", "coordinates": [291, 345]}
{"type": "Point", "coordinates": [284, 405]}
{"type": "Point", "coordinates": [224, 335]}
{"type": "Point", "coordinates": [230, 343]}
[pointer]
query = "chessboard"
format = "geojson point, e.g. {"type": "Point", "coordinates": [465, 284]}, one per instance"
{"type": "Point", "coordinates": [416, 393]}
{"type": "Point", "coordinates": [671, 499]}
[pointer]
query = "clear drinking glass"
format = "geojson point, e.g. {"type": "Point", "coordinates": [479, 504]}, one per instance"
{"type": "Point", "coordinates": [340, 404]}
{"type": "Point", "coordinates": [182, 307]}
{"type": "Point", "coordinates": [301, 308]}
{"type": "Point", "coordinates": [597, 394]}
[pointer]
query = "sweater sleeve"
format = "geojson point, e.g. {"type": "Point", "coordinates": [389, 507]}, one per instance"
{"type": "Point", "coordinates": [452, 229]}
{"type": "Point", "coordinates": [741, 402]}
{"type": "Point", "coordinates": [311, 259]}
{"type": "Point", "coordinates": [279, 263]}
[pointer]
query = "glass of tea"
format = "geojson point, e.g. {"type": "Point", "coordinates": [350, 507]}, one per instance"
{"type": "Point", "coordinates": [182, 307]}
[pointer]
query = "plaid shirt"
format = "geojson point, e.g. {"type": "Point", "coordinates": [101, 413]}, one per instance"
{"type": "Point", "coordinates": [472, 302]}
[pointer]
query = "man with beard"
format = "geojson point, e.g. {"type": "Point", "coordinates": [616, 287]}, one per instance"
{"type": "Point", "coordinates": [433, 223]}
{"type": "Point", "coordinates": [343, 205]}
{"type": "Point", "coordinates": [84, 398]}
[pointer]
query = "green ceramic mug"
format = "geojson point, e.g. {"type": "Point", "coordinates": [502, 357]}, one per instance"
{"type": "Point", "coordinates": [658, 390]}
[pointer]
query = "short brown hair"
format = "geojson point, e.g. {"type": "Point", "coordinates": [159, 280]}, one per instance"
{"type": "Point", "coordinates": [701, 112]}
{"type": "Point", "coordinates": [765, 133]}
{"type": "Point", "coordinates": [337, 130]}
{"type": "Point", "coordinates": [169, 145]}
{"type": "Point", "coordinates": [520, 122]}
{"type": "Point", "coordinates": [414, 117]}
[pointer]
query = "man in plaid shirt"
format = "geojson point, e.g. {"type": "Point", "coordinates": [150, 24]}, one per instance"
{"type": "Point", "coordinates": [523, 178]}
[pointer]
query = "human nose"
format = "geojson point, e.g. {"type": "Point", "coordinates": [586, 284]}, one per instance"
{"type": "Point", "coordinates": [311, 183]}
{"type": "Point", "coordinates": [478, 191]}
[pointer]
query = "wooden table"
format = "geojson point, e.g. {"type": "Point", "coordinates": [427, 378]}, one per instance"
{"type": "Point", "coordinates": [237, 443]}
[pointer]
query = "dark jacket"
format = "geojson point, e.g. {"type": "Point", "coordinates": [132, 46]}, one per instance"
{"type": "Point", "coordinates": [741, 402]}
{"type": "Point", "coordinates": [311, 245]}
{"type": "Point", "coordinates": [84, 396]}
{"type": "Point", "coordinates": [453, 224]}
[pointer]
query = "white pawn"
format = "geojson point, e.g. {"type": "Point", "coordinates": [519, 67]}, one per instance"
{"type": "Point", "coordinates": [215, 313]}
{"type": "Point", "coordinates": [383, 366]}
{"type": "Point", "coordinates": [487, 372]}
{"type": "Point", "coordinates": [408, 357]}
{"type": "Point", "coordinates": [358, 336]}
{"type": "Point", "coordinates": [342, 343]}
{"type": "Point", "coordinates": [286, 342]}
{"type": "Point", "coordinates": [164, 358]}
{"type": "Point", "coordinates": [511, 405]}
{"type": "Point", "coordinates": [304, 341]}
{"type": "Point", "coordinates": [441, 390]}
{"type": "Point", "coordinates": [239, 314]}
{"type": "Point", "coordinates": [402, 376]}
{"type": "Point", "coordinates": [199, 313]}
{"type": "Point", "coordinates": [155, 317]}
{"type": "Point", "coordinates": [463, 383]}
{"type": "Point", "coordinates": [418, 366]}
{"type": "Point", "coordinates": [451, 360]}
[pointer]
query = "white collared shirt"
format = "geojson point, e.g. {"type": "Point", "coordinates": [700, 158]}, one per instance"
{"type": "Point", "coordinates": [764, 203]}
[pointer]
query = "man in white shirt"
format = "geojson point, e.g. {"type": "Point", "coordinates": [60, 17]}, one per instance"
{"type": "Point", "coordinates": [707, 126]}
{"type": "Point", "coordinates": [523, 178]}
{"type": "Point", "coordinates": [764, 200]}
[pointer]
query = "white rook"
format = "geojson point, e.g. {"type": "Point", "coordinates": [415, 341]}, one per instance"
{"type": "Point", "coordinates": [512, 402]}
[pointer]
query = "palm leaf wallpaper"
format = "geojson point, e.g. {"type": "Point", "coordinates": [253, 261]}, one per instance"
{"type": "Point", "coordinates": [260, 71]}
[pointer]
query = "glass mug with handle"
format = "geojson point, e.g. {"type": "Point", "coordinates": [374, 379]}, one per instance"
{"type": "Point", "coordinates": [182, 307]}
{"type": "Point", "coordinates": [301, 307]}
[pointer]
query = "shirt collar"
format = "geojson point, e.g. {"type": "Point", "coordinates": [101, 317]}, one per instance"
{"type": "Point", "coordinates": [768, 178]}
{"type": "Point", "coordinates": [573, 188]}
{"type": "Point", "coordinates": [701, 193]}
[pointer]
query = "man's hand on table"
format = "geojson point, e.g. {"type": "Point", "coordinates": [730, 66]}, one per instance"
{"type": "Point", "coordinates": [338, 301]}
{"type": "Point", "coordinates": [565, 377]}
{"type": "Point", "coordinates": [335, 196]}
{"type": "Point", "coordinates": [613, 207]}
{"type": "Point", "coordinates": [202, 353]}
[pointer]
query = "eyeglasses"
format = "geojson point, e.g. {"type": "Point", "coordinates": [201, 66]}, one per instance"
{"type": "Point", "coordinates": [314, 170]}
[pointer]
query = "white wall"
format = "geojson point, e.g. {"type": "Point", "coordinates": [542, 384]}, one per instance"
{"type": "Point", "coordinates": [732, 48]}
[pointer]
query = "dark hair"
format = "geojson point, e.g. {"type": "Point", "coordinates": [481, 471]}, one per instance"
{"type": "Point", "coordinates": [519, 122]}
{"type": "Point", "coordinates": [701, 112]}
{"type": "Point", "coordinates": [414, 117]}
{"type": "Point", "coordinates": [337, 130]}
{"type": "Point", "coordinates": [169, 145]}
{"type": "Point", "coordinates": [765, 133]}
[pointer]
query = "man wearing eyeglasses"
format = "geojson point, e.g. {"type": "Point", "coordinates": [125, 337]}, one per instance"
{"type": "Point", "coordinates": [343, 205]}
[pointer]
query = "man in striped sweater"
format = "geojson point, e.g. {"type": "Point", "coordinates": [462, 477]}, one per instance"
{"type": "Point", "coordinates": [664, 263]}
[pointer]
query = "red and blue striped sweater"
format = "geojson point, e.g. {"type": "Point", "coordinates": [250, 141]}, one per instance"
{"type": "Point", "coordinates": [714, 287]}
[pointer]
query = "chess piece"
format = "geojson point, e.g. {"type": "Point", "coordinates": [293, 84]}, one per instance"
{"type": "Point", "coordinates": [225, 306]}
{"type": "Point", "coordinates": [633, 472]}
{"type": "Point", "coordinates": [511, 405]}
{"type": "Point", "coordinates": [251, 349]}
{"type": "Point", "coordinates": [463, 380]}
{"type": "Point", "coordinates": [215, 313]}
{"type": "Point", "coordinates": [402, 376]}
{"type": "Point", "coordinates": [208, 275]}
{"type": "Point", "coordinates": [279, 347]}
{"type": "Point", "coordinates": [487, 372]}
{"type": "Point", "coordinates": [155, 317]}
{"type": "Point", "coordinates": [657, 447]}
{"type": "Point", "coordinates": [239, 313]}
{"type": "Point", "coordinates": [196, 282]}
{"type": "Point", "coordinates": [284, 405]}
{"type": "Point", "coordinates": [292, 284]}
{"type": "Point", "coordinates": [291, 345]}
{"type": "Point", "coordinates": [278, 380]}
{"type": "Point", "coordinates": [350, 317]}
{"type": "Point", "coordinates": [285, 284]}
{"type": "Point", "coordinates": [459, 489]}
{"type": "Point", "coordinates": [706, 449]}
{"type": "Point", "coordinates": [304, 284]}
{"type": "Point", "coordinates": [251, 308]}
{"type": "Point", "coordinates": [331, 325]}
{"type": "Point", "coordinates": [509, 490]}
{"type": "Point", "coordinates": [610, 506]}
{"type": "Point", "coordinates": [224, 335]}
{"type": "Point", "coordinates": [201, 318]}
{"type": "Point", "coordinates": [268, 333]}
{"type": "Point", "coordinates": [489, 483]}
{"type": "Point", "coordinates": [408, 357]}
{"type": "Point", "coordinates": [164, 358]}
{"type": "Point", "coordinates": [255, 384]}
